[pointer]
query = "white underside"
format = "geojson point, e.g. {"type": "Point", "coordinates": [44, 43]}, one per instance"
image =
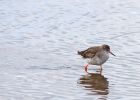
{"type": "Point", "coordinates": [99, 60]}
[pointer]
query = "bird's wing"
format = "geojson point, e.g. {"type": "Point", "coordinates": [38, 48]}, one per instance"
{"type": "Point", "coordinates": [90, 52]}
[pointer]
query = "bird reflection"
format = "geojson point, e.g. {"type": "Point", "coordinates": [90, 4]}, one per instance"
{"type": "Point", "coordinates": [95, 82]}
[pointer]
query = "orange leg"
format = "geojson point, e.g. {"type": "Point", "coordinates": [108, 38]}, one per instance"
{"type": "Point", "coordinates": [86, 66]}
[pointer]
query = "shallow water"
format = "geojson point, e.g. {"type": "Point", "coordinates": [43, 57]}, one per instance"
{"type": "Point", "coordinates": [39, 41]}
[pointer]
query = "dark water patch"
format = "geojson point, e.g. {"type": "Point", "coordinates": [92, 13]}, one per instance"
{"type": "Point", "coordinates": [96, 83]}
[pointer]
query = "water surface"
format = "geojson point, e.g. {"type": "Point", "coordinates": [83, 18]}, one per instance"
{"type": "Point", "coordinates": [39, 41]}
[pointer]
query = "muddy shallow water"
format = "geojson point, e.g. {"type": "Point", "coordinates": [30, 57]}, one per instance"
{"type": "Point", "coordinates": [39, 41]}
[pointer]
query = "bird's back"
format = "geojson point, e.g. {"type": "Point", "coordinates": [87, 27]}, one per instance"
{"type": "Point", "coordinates": [90, 52]}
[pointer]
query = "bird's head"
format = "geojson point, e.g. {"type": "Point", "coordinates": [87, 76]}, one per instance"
{"type": "Point", "coordinates": [107, 48]}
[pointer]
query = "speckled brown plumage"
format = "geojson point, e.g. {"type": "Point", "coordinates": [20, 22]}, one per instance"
{"type": "Point", "coordinates": [90, 52]}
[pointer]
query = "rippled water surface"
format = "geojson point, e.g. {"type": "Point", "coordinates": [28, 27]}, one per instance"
{"type": "Point", "coordinates": [39, 40]}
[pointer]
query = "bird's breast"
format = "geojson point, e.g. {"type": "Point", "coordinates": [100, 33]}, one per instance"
{"type": "Point", "coordinates": [100, 59]}
{"type": "Point", "coordinates": [104, 58]}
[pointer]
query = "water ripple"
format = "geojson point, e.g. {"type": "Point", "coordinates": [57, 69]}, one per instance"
{"type": "Point", "coordinates": [39, 42]}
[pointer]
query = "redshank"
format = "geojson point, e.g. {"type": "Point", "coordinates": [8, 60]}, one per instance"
{"type": "Point", "coordinates": [96, 55]}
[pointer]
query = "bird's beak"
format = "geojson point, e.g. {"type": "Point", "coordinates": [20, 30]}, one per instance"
{"type": "Point", "coordinates": [112, 53]}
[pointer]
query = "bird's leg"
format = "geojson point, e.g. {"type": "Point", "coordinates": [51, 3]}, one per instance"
{"type": "Point", "coordinates": [86, 67]}
{"type": "Point", "coordinates": [101, 67]}
{"type": "Point", "coordinates": [101, 72]}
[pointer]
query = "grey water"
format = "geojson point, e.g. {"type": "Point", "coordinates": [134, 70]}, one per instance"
{"type": "Point", "coordinates": [39, 40]}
